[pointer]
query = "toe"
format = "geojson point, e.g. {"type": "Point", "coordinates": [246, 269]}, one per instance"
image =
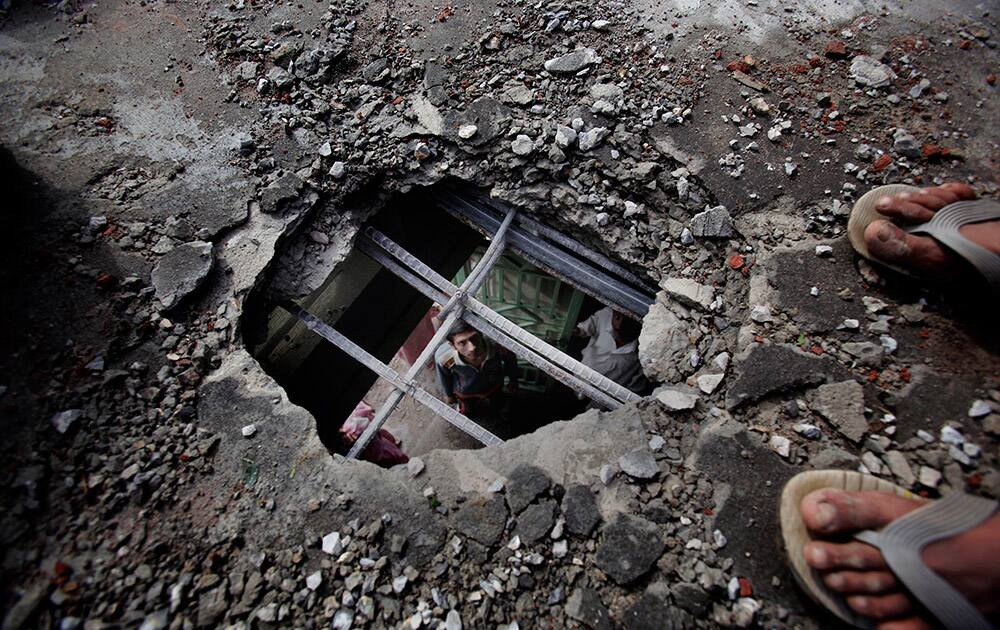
{"type": "Point", "coordinates": [880, 606]}
{"type": "Point", "coordinates": [829, 511]}
{"type": "Point", "coordinates": [827, 556]}
{"type": "Point", "coordinates": [961, 191]}
{"type": "Point", "coordinates": [906, 206]}
{"type": "Point", "coordinates": [889, 243]}
{"type": "Point", "coordinates": [861, 582]}
{"type": "Point", "coordinates": [910, 623]}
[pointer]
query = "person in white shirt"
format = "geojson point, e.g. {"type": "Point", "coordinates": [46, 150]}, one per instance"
{"type": "Point", "coordinates": [613, 349]}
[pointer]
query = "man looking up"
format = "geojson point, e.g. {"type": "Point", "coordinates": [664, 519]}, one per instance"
{"type": "Point", "coordinates": [471, 373]}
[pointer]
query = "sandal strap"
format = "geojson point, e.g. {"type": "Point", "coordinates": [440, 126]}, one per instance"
{"type": "Point", "coordinates": [944, 227]}
{"type": "Point", "coordinates": [902, 541]}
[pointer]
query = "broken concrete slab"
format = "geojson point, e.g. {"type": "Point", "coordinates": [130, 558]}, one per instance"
{"type": "Point", "coordinates": [573, 62]}
{"type": "Point", "coordinates": [585, 606]}
{"type": "Point", "coordinates": [579, 506]}
{"type": "Point", "coordinates": [769, 369]}
{"type": "Point", "coordinates": [843, 406]}
{"type": "Point", "coordinates": [714, 222]}
{"type": "Point", "coordinates": [180, 271]}
{"type": "Point", "coordinates": [689, 292]}
{"type": "Point", "coordinates": [629, 547]}
{"type": "Point", "coordinates": [482, 519]}
{"type": "Point", "coordinates": [663, 342]}
{"type": "Point", "coordinates": [525, 483]}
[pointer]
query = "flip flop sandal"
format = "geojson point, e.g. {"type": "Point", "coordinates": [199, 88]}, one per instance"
{"type": "Point", "coordinates": [900, 543]}
{"type": "Point", "coordinates": [944, 228]}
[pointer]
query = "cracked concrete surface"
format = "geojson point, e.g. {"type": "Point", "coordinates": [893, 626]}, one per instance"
{"type": "Point", "coordinates": [128, 132]}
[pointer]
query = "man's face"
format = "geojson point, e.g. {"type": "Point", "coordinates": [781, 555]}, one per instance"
{"type": "Point", "coordinates": [616, 321]}
{"type": "Point", "coordinates": [470, 346]}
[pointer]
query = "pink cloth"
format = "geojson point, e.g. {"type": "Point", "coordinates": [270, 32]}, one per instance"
{"type": "Point", "coordinates": [419, 338]}
{"type": "Point", "coordinates": [383, 449]}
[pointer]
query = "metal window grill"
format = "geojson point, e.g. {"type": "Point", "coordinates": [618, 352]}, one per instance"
{"type": "Point", "coordinates": [567, 260]}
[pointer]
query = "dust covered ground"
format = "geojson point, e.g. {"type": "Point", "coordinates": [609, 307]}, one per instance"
{"type": "Point", "coordinates": [172, 169]}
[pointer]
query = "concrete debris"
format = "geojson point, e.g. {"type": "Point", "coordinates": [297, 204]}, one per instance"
{"type": "Point", "coordinates": [843, 406]}
{"type": "Point", "coordinates": [639, 464]}
{"type": "Point", "coordinates": [182, 270]}
{"type": "Point", "coordinates": [869, 72]}
{"type": "Point", "coordinates": [573, 62]}
{"type": "Point", "coordinates": [712, 223]}
{"type": "Point", "coordinates": [689, 292]}
{"type": "Point", "coordinates": [628, 549]}
{"type": "Point", "coordinates": [676, 397]}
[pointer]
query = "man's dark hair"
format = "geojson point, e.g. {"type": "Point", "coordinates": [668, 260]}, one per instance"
{"type": "Point", "coordinates": [629, 329]}
{"type": "Point", "coordinates": [461, 326]}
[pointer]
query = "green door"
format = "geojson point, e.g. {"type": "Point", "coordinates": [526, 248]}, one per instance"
{"type": "Point", "coordinates": [540, 304]}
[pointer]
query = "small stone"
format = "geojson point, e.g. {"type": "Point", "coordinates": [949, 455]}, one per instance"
{"type": "Point", "coordinates": [900, 468]}
{"type": "Point", "coordinates": [979, 409]}
{"type": "Point", "coordinates": [629, 548]}
{"type": "Point", "coordinates": [467, 131]}
{"type": "Point", "coordinates": [835, 49]}
{"type": "Point", "coordinates": [871, 73]}
{"type": "Point", "coordinates": [713, 223]}
{"type": "Point", "coordinates": [780, 445]}
{"type": "Point", "coordinates": [824, 250]}
{"type": "Point", "coordinates": [326, 150]}
{"type": "Point", "coordinates": [415, 466]}
{"type": "Point", "coordinates": [565, 136]}
{"type": "Point", "coordinates": [676, 397]}
{"type": "Point", "coordinates": [951, 435]}
{"type": "Point", "coordinates": [399, 584]}
{"type": "Point", "coordinates": [656, 443]}
{"type": "Point", "coordinates": [332, 544]}
{"type": "Point", "coordinates": [929, 477]}
{"type": "Point", "coordinates": [591, 138]}
{"type": "Point", "coordinates": [842, 404]}
{"type": "Point", "coordinates": [707, 383]}
{"type": "Point", "coordinates": [453, 621]}
{"type": "Point", "coordinates": [585, 606]}
{"type": "Point", "coordinates": [639, 464]}
{"type": "Point", "coordinates": [689, 292]}
{"type": "Point", "coordinates": [573, 62]}
{"type": "Point", "coordinates": [761, 313]}
{"type": "Point", "coordinates": [249, 430]}
{"type": "Point", "coordinates": [607, 473]}
{"type": "Point", "coordinates": [180, 271]}
{"type": "Point", "coordinates": [808, 431]}
{"type": "Point", "coordinates": [63, 421]}
{"type": "Point", "coordinates": [522, 145]}
{"type": "Point", "coordinates": [314, 580]}
{"type": "Point", "coordinates": [337, 170]}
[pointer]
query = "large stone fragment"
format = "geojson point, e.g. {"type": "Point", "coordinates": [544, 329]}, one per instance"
{"type": "Point", "coordinates": [585, 606]}
{"type": "Point", "coordinates": [654, 612]}
{"type": "Point", "coordinates": [676, 397]}
{"type": "Point", "coordinates": [689, 292]}
{"type": "Point", "coordinates": [536, 521]}
{"type": "Point", "coordinates": [180, 271]}
{"type": "Point", "coordinates": [713, 223]}
{"type": "Point", "coordinates": [639, 464]}
{"type": "Point", "coordinates": [524, 484]}
{"type": "Point", "coordinates": [774, 368]}
{"type": "Point", "coordinates": [482, 519]}
{"type": "Point", "coordinates": [629, 547]}
{"type": "Point", "coordinates": [579, 507]}
{"type": "Point", "coordinates": [843, 406]}
{"type": "Point", "coordinates": [663, 342]}
{"type": "Point", "coordinates": [573, 62]}
{"type": "Point", "coordinates": [872, 73]}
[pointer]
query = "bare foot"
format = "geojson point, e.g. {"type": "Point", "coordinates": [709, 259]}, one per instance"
{"type": "Point", "coordinates": [857, 570]}
{"type": "Point", "coordinates": [922, 254]}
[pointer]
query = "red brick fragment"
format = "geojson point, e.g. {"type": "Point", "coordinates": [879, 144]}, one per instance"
{"type": "Point", "coordinates": [746, 588]}
{"type": "Point", "coordinates": [835, 49]}
{"type": "Point", "coordinates": [882, 162]}
{"type": "Point", "coordinates": [965, 44]}
{"type": "Point", "coordinates": [991, 79]}
{"type": "Point", "coordinates": [736, 261]}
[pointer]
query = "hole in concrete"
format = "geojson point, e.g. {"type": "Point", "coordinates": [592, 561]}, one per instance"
{"type": "Point", "coordinates": [374, 308]}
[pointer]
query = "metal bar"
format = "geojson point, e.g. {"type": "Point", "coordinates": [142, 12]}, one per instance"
{"type": "Point", "coordinates": [577, 247]}
{"type": "Point", "coordinates": [568, 379]}
{"type": "Point", "coordinates": [357, 352]}
{"type": "Point", "coordinates": [455, 305]}
{"type": "Point", "coordinates": [563, 360]}
{"type": "Point", "coordinates": [560, 263]}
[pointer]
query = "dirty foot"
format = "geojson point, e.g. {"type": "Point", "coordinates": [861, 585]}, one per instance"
{"type": "Point", "coordinates": [858, 571]}
{"type": "Point", "coordinates": [922, 254]}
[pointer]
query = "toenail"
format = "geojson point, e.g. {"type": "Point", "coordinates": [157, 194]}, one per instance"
{"type": "Point", "coordinates": [824, 514]}
{"type": "Point", "coordinates": [885, 234]}
{"type": "Point", "coordinates": [860, 604]}
{"type": "Point", "coordinates": [903, 195]}
{"type": "Point", "coordinates": [816, 556]}
{"type": "Point", "coordinates": [884, 202]}
{"type": "Point", "coordinates": [835, 580]}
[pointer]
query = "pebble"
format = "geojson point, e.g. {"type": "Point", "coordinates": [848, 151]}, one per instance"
{"type": "Point", "coordinates": [761, 313]}
{"type": "Point", "coordinates": [314, 580]}
{"type": "Point", "coordinates": [607, 473]}
{"type": "Point", "coordinates": [248, 430]}
{"type": "Point", "coordinates": [707, 383]}
{"type": "Point", "coordinates": [592, 138]}
{"type": "Point", "coordinates": [929, 477]}
{"type": "Point", "coordinates": [522, 145]}
{"type": "Point", "coordinates": [780, 444]}
{"type": "Point", "coordinates": [639, 464]}
{"type": "Point", "coordinates": [573, 62]}
{"type": "Point", "coordinates": [565, 136]}
{"type": "Point", "coordinates": [656, 443]}
{"type": "Point", "coordinates": [676, 397]}
{"type": "Point", "coordinates": [979, 409]}
{"type": "Point", "coordinates": [63, 421]}
{"type": "Point", "coordinates": [415, 466]}
{"type": "Point", "coordinates": [869, 72]}
{"type": "Point", "coordinates": [951, 435]}
{"type": "Point", "coordinates": [824, 250]}
{"type": "Point", "coordinates": [337, 170]}
{"type": "Point", "coordinates": [333, 544]}
{"type": "Point", "coordinates": [467, 131]}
